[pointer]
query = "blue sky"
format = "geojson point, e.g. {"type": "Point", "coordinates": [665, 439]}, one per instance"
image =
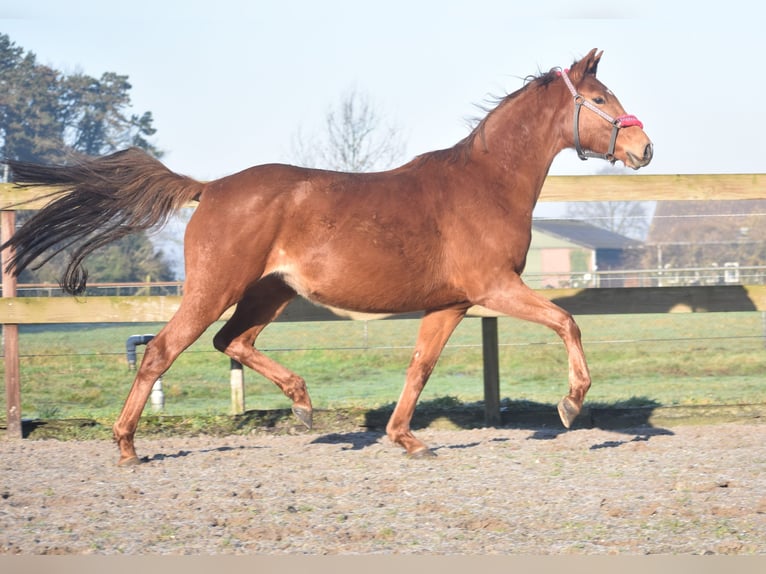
{"type": "Point", "coordinates": [230, 83]}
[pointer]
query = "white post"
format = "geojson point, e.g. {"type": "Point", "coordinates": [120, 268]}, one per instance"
{"type": "Point", "coordinates": [158, 397]}
{"type": "Point", "coordinates": [237, 388]}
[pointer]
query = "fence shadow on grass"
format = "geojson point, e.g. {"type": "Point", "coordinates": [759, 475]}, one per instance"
{"type": "Point", "coordinates": [624, 300]}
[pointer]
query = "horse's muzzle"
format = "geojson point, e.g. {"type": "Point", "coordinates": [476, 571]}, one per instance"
{"type": "Point", "coordinates": [637, 162]}
{"type": "Point", "coordinates": [648, 153]}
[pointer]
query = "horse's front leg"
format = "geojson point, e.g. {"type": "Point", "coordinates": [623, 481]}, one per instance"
{"type": "Point", "coordinates": [518, 300]}
{"type": "Point", "coordinates": [435, 330]}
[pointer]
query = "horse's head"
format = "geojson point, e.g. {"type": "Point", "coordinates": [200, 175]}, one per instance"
{"type": "Point", "coordinates": [603, 129]}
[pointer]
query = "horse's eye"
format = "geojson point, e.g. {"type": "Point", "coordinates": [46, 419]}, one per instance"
{"type": "Point", "coordinates": [598, 100]}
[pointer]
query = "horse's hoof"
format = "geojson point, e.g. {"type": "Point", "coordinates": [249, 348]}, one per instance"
{"type": "Point", "coordinates": [422, 453]}
{"type": "Point", "coordinates": [130, 461]}
{"type": "Point", "coordinates": [568, 411]}
{"type": "Point", "coordinates": [306, 416]}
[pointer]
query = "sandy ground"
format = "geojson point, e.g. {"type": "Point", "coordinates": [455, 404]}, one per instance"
{"type": "Point", "coordinates": [682, 490]}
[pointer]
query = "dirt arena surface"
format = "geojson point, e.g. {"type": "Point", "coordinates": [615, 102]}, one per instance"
{"type": "Point", "coordinates": [681, 490]}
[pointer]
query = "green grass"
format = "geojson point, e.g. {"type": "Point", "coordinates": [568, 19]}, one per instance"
{"type": "Point", "coordinates": [671, 359]}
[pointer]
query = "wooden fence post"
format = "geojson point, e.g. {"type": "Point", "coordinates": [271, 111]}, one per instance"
{"type": "Point", "coordinates": [10, 337]}
{"type": "Point", "coordinates": [237, 387]}
{"type": "Point", "coordinates": [491, 353]}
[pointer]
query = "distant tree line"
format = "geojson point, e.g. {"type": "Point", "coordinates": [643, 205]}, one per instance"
{"type": "Point", "coordinates": [47, 116]}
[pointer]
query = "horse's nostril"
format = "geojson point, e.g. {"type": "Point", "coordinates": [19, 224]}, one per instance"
{"type": "Point", "coordinates": [648, 152]}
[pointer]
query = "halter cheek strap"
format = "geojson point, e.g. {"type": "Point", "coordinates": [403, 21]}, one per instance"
{"type": "Point", "coordinates": [624, 121]}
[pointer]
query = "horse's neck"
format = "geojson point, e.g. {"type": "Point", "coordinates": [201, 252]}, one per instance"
{"type": "Point", "coordinates": [521, 138]}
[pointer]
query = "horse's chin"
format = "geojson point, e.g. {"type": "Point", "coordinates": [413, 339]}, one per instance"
{"type": "Point", "coordinates": [635, 162]}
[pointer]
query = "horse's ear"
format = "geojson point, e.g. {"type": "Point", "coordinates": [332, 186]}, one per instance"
{"type": "Point", "coordinates": [587, 65]}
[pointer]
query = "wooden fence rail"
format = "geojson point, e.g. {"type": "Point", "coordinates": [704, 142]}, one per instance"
{"type": "Point", "coordinates": [556, 188]}
{"type": "Point", "coordinates": [722, 298]}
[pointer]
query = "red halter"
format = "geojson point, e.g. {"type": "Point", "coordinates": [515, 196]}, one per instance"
{"type": "Point", "coordinates": [624, 121]}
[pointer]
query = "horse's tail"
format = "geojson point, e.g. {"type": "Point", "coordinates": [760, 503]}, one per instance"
{"type": "Point", "coordinates": [99, 200]}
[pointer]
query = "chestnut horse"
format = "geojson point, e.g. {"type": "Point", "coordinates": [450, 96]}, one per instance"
{"type": "Point", "coordinates": [446, 231]}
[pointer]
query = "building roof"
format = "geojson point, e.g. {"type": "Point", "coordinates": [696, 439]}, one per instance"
{"type": "Point", "coordinates": [584, 234]}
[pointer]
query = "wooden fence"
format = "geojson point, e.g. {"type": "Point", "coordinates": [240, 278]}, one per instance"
{"type": "Point", "coordinates": [126, 309]}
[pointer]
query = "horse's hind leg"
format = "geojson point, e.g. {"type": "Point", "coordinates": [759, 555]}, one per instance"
{"type": "Point", "coordinates": [262, 304]}
{"type": "Point", "coordinates": [189, 322]}
{"type": "Point", "coordinates": [435, 330]}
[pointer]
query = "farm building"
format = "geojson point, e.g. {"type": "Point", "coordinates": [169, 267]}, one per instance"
{"type": "Point", "coordinates": [708, 242]}
{"type": "Point", "coordinates": [573, 253]}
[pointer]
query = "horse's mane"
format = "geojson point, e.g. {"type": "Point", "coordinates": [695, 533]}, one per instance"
{"type": "Point", "coordinates": [462, 149]}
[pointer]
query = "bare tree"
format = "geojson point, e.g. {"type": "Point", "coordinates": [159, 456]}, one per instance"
{"type": "Point", "coordinates": [628, 218]}
{"type": "Point", "coordinates": [356, 139]}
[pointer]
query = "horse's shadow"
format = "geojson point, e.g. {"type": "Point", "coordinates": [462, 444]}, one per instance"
{"type": "Point", "coordinates": [356, 440]}
{"type": "Point", "coordinates": [541, 419]}
{"type": "Point", "coordinates": [364, 439]}
{"type": "Point", "coordinates": [159, 457]}
{"type": "Point", "coordinates": [633, 419]}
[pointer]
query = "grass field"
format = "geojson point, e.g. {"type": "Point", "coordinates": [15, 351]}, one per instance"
{"type": "Point", "coordinates": [671, 359]}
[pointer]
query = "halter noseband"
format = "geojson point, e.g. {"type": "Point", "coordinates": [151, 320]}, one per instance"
{"type": "Point", "coordinates": [623, 121]}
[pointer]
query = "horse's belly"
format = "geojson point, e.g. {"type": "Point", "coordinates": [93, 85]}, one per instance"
{"type": "Point", "coordinates": [370, 291]}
